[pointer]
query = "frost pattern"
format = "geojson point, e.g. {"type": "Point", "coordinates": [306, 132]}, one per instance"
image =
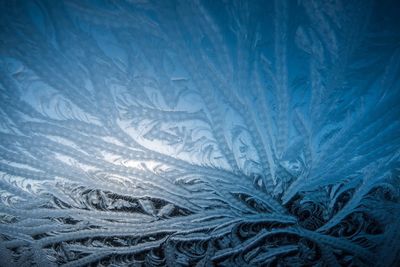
{"type": "Point", "coordinates": [201, 133]}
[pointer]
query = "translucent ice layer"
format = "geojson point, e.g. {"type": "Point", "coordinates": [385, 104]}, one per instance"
{"type": "Point", "coordinates": [199, 133]}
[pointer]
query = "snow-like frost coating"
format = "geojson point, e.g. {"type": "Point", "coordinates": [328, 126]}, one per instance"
{"type": "Point", "coordinates": [199, 133]}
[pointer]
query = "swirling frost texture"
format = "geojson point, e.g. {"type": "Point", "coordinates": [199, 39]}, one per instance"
{"type": "Point", "coordinates": [199, 133]}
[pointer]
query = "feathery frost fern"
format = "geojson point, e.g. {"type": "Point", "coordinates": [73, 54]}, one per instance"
{"type": "Point", "coordinates": [199, 133]}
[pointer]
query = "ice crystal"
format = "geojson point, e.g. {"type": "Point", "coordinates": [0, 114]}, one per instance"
{"type": "Point", "coordinates": [199, 133]}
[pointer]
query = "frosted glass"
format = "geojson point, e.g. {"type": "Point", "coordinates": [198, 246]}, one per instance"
{"type": "Point", "coordinates": [199, 133]}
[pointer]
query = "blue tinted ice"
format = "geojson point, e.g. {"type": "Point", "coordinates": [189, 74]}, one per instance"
{"type": "Point", "coordinates": [199, 133]}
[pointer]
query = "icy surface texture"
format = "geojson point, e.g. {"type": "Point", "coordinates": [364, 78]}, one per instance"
{"type": "Point", "coordinates": [199, 133]}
